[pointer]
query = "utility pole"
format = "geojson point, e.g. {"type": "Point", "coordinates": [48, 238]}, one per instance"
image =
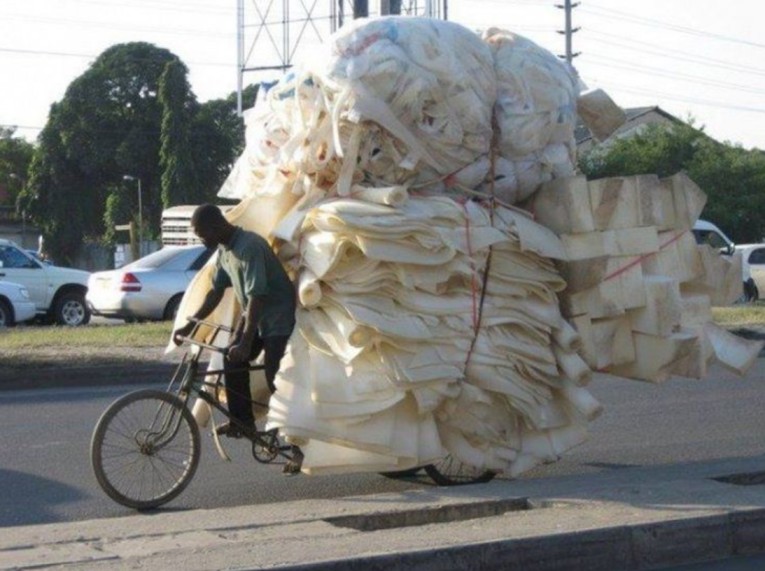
{"type": "Point", "coordinates": [360, 9]}
{"type": "Point", "coordinates": [568, 6]}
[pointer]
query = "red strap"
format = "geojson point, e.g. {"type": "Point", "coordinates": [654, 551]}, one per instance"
{"type": "Point", "coordinates": [638, 260]}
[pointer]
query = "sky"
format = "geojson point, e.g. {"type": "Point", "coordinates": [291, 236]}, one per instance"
{"type": "Point", "coordinates": [701, 59]}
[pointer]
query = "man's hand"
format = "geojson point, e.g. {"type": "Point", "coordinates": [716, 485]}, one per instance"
{"type": "Point", "coordinates": [183, 331]}
{"type": "Point", "coordinates": [238, 352]}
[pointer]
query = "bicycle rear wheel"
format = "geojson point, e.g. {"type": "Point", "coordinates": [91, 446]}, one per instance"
{"type": "Point", "coordinates": [451, 472]}
{"type": "Point", "coordinates": [145, 449]}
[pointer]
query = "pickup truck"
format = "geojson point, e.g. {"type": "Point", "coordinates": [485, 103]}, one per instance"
{"type": "Point", "coordinates": [58, 293]}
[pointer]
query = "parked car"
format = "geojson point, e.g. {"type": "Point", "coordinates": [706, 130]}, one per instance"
{"type": "Point", "coordinates": [150, 288]}
{"type": "Point", "coordinates": [58, 293]}
{"type": "Point", "coordinates": [15, 304]}
{"type": "Point", "coordinates": [753, 265]}
{"type": "Point", "coordinates": [707, 233]}
{"type": "Point", "coordinates": [36, 255]}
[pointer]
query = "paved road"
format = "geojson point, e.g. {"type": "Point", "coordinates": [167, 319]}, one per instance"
{"type": "Point", "coordinates": [45, 473]}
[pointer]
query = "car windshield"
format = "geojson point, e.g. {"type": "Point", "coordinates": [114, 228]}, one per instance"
{"type": "Point", "coordinates": [157, 259]}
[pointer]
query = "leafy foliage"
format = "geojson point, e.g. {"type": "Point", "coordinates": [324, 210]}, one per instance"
{"type": "Point", "coordinates": [732, 177]}
{"type": "Point", "coordinates": [179, 180]}
{"type": "Point", "coordinates": [15, 157]}
{"type": "Point", "coordinates": [131, 113]}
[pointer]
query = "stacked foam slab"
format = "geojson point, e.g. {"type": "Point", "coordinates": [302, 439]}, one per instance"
{"type": "Point", "coordinates": [427, 329]}
{"type": "Point", "coordinates": [639, 289]}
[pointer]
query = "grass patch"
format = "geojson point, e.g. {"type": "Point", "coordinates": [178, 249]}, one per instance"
{"type": "Point", "coordinates": [32, 347]}
{"type": "Point", "coordinates": [127, 335]}
{"type": "Point", "coordinates": [740, 315]}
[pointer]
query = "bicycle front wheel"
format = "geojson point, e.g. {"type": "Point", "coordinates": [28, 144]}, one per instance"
{"type": "Point", "coordinates": [145, 449]}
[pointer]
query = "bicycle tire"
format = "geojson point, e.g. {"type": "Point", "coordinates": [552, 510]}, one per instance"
{"type": "Point", "coordinates": [129, 456]}
{"type": "Point", "coordinates": [399, 474]}
{"type": "Point", "coordinates": [451, 472]}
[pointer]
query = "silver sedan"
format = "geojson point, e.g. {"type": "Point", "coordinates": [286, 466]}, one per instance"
{"type": "Point", "coordinates": [148, 289]}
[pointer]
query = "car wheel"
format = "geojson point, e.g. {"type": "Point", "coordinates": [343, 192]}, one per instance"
{"type": "Point", "coordinates": [171, 310]}
{"type": "Point", "coordinates": [71, 310]}
{"type": "Point", "coordinates": [6, 314]}
{"type": "Point", "coordinates": [750, 291]}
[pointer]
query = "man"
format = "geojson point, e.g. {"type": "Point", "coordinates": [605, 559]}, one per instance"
{"type": "Point", "coordinates": [267, 296]}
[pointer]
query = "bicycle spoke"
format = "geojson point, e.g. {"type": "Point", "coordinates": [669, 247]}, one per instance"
{"type": "Point", "coordinates": [145, 449]}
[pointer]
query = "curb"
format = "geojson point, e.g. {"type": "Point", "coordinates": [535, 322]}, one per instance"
{"type": "Point", "coordinates": [627, 520]}
{"type": "Point", "coordinates": [626, 548]}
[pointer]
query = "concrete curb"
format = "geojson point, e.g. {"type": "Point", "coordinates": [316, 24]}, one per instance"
{"type": "Point", "coordinates": [623, 520]}
{"type": "Point", "coordinates": [623, 548]}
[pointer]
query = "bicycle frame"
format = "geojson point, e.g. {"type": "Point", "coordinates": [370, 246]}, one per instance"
{"type": "Point", "coordinates": [192, 382]}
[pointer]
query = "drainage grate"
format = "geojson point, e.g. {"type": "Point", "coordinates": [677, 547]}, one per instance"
{"type": "Point", "coordinates": [746, 479]}
{"type": "Point", "coordinates": [424, 516]}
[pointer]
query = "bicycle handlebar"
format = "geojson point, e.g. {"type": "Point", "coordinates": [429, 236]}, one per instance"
{"type": "Point", "coordinates": [216, 327]}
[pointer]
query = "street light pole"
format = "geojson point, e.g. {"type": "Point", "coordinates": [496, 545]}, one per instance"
{"type": "Point", "coordinates": [140, 215]}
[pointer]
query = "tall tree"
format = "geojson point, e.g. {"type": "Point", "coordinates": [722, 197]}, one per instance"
{"type": "Point", "coordinates": [180, 183]}
{"type": "Point", "coordinates": [106, 126]}
{"type": "Point", "coordinates": [217, 139]}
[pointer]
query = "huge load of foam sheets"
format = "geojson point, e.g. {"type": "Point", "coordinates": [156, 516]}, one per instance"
{"type": "Point", "coordinates": [436, 316]}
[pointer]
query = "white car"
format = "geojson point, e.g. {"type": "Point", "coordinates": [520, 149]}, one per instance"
{"type": "Point", "coordinates": [753, 265]}
{"type": "Point", "coordinates": [15, 304]}
{"type": "Point", "coordinates": [58, 293]}
{"type": "Point", "coordinates": [150, 288]}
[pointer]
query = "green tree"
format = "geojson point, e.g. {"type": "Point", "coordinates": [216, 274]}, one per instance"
{"type": "Point", "coordinates": [217, 139]}
{"type": "Point", "coordinates": [180, 183]}
{"type": "Point", "coordinates": [107, 125]}
{"type": "Point", "coordinates": [118, 209]}
{"type": "Point", "coordinates": [15, 157]}
{"type": "Point", "coordinates": [131, 113]}
{"type": "Point", "coordinates": [732, 177]}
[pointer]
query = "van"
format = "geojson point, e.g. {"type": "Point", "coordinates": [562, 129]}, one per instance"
{"type": "Point", "coordinates": [707, 233]}
{"type": "Point", "coordinates": [176, 225]}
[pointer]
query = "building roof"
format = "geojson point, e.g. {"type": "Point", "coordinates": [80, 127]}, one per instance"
{"type": "Point", "coordinates": [582, 133]}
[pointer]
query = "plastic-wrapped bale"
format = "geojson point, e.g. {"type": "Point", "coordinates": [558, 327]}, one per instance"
{"type": "Point", "coordinates": [415, 94]}
{"type": "Point", "coordinates": [535, 115]}
{"type": "Point", "coordinates": [418, 102]}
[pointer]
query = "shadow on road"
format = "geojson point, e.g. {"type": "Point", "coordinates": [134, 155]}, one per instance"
{"type": "Point", "coordinates": [38, 495]}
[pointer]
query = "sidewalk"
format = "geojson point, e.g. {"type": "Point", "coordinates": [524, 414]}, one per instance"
{"type": "Point", "coordinates": [633, 518]}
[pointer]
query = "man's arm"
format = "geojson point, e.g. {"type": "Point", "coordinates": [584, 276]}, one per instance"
{"type": "Point", "coordinates": [211, 301]}
{"type": "Point", "coordinates": [241, 349]}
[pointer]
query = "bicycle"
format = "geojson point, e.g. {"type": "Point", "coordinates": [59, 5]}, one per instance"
{"type": "Point", "coordinates": [145, 447]}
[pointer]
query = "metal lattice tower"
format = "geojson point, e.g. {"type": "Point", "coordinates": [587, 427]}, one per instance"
{"type": "Point", "coordinates": [272, 33]}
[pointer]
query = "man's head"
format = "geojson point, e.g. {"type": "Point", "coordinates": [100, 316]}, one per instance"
{"type": "Point", "coordinates": [210, 225]}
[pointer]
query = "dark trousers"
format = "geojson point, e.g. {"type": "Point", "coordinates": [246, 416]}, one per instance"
{"type": "Point", "coordinates": [238, 377]}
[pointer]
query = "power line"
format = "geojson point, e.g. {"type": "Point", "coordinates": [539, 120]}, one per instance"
{"type": "Point", "coordinates": [674, 54]}
{"type": "Point", "coordinates": [184, 7]}
{"type": "Point", "coordinates": [92, 57]}
{"type": "Point", "coordinates": [111, 26]}
{"type": "Point", "coordinates": [672, 97]}
{"type": "Point", "coordinates": [602, 12]}
{"type": "Point", "coordinates": [619, 64]}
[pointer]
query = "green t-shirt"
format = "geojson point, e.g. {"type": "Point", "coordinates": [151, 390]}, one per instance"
{"type": "Point", "coordinates": [249, 265]}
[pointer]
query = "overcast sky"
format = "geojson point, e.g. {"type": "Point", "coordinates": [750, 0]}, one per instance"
{"type": "Point", "coordinates": [700, 58]}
